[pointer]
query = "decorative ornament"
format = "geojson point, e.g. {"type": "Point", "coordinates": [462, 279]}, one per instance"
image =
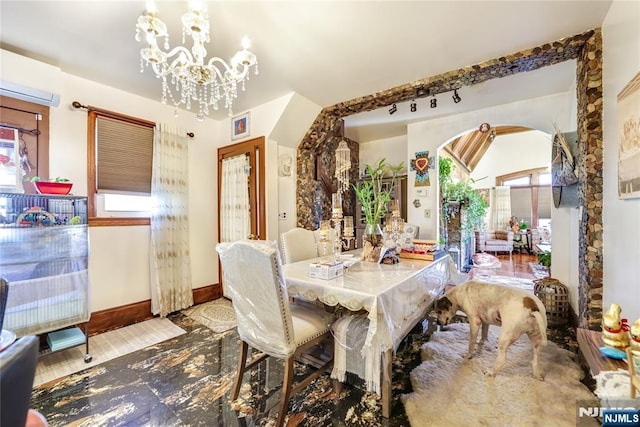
{"type": "Point", "coordinates": [421, 164]}
{"type": "Point", "coordinates": [634, 333]}
{"type": "Point", "coordinates": [484, 128]}
{"type": "Point", "coordinates": [614, 328]}
{"type": "Point", "coordinates": [343, 166]}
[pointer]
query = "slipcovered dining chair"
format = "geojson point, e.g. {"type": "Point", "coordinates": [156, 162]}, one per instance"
{"type": "Point", "coordinates": [267, 321]}
{"type": "Point", "coordinates": [298, 244]}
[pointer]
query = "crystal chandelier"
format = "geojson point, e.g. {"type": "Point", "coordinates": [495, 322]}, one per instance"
{"type": "Point", "coordinates": [185, 75]}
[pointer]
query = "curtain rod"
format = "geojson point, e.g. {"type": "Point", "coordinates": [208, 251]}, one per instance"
{"type": "Point", "coordinates": [76, 105]}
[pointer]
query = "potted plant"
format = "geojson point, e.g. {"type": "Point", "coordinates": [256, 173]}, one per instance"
{"type": "Point", "coordinates": [457, 196]}
{"type": "Point", "coordinates": [57, 185]}
{"type": "Point", "coordinates": [374, 194]}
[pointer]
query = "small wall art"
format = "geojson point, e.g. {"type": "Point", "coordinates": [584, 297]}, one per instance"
{"type": "Point", "coordinates": [421, 164]}
{"type": "Point", "coordinates": [629, 140]}
{"type": "Point", "coordinates": [240, 126]}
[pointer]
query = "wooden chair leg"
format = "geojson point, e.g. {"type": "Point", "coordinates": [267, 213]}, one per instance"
{"type": "Point", "coordinates": [242, 361]}
{"type": "Point", "coordinates": [286, 390]}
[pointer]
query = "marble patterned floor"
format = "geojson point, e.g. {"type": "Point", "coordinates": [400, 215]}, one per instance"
{"type": "Point", "coordinates": [187, 380]}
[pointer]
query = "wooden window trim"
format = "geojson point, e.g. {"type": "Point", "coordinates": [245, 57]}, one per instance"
{"type": "Point", "coordinates": [94, 220]}
{"type": "Point", "coordinates": [533, 173]}
{"type": "Point", "coordinates": [118, 222]}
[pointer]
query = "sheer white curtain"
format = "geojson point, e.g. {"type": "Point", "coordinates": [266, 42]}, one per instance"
{"type": "Point", "coordinates": [235, 214]}
{"type": "Point", "coordinates": [500, 211]}
{"type": "Point", "coordinates": [170, 264]}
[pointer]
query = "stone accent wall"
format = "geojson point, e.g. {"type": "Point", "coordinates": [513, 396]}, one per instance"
{"type": "Point", "coordinates": [586, 48]}
{"type": "Point", "coordinates": [590, 160]}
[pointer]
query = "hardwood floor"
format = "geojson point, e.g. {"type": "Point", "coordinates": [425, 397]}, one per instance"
{"type": "Point", "coordinates": [517, 265]}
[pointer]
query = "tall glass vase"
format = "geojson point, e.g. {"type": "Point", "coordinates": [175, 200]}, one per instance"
{"type": "Point", "coordinates": [372, 242]}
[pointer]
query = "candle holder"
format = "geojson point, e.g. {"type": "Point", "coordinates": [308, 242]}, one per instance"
{"type": "Point", "coordinates": [349, 237]}
{"type": "Point", "coordinates": [394, 225]}
{"type": "Point", "coordinates": [324, 244]}
{"type": "Point", "coordinates": [336, 216]}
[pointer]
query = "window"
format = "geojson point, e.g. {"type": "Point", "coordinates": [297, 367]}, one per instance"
{"type": "Point", "coordinates": [120, 155]}
{"type": "Point", "coordinates": [530, 194]}
{"type": "Point", "coordinates": [523, 180]}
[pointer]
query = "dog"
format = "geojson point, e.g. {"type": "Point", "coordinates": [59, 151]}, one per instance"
{"type": "Point", "coordinates": [517, 312]}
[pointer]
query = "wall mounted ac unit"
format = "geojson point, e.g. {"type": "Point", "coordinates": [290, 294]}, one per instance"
{"type": "Point", "coordinates": [29, 94]}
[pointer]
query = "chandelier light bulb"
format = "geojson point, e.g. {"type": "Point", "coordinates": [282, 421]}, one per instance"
{"type": "Point", "coordinates": [151, 7]}
{"type": "Point", "coordinates": [188, 77]}
{"type": "Point", "coordinates": [196, 5]}
{"type": "Point", "coordinates": [246, 42]}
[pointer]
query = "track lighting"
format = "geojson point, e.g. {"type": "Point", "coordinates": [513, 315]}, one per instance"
{"type": "Point", "coordinates": [434, 102]}
{"type": "Point", "coordinates": [414, 106]}
{"type": "Point", "coordinates": [393, 109]}
{"type": "Point", "coordinates": [456, 98]}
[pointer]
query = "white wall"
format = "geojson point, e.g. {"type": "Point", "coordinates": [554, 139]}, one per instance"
{"type": "Point", "coordinates": [119, 256]}
{"type": "Point", "coordinates": [511, 153]}
{"type": "Point", "coordinates": [621, 250]}
{"type": "Point", "coordinates": [538, 113]}
{"type": "Point", "coordinates": [287, 193]}
{"type": "Point", "coordinates": [393, 149]}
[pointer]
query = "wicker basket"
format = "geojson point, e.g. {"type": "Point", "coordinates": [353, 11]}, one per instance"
{"type": "Point", "coordinates": [555, 298]}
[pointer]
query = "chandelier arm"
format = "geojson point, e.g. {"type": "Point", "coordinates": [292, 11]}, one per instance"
{"type": "Point", "coordinates": [186, 72]}
{"type": "Point", "coordinates": [233, 72]}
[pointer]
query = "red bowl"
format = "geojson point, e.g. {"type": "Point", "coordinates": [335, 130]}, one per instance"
{"type": "Point", "coordinates": [46, 187]}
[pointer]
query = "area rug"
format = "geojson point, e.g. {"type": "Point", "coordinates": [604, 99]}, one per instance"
{"type": "Point", "coordinates": [449, 390]}
{"type": "Point", "coordinates": [538, 270]}
{"type": "Point", "coordinates": [216, 315]}
{"type": "Point", "coordinates": [613, 387]}
{"type": "Point", "coordinates": [104, 347]}
{"type": "Point", "coordinates": [526, 284]}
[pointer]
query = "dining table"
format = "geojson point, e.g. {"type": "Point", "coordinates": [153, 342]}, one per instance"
{"type": "Point", "coordinates": [395, 297]}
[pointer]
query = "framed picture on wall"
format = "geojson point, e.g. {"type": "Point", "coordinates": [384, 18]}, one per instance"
{"type": "Point", "coordinates": [629, 140]}
{"type": "Point", "coordinates": [240, 126]}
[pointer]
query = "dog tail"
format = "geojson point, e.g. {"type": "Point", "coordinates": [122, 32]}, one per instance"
{"type": "Point", "coordinates": [542, 324]}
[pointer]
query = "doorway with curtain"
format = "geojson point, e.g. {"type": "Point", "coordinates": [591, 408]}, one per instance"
{"type": "Point", "coordinates": [241, 192]}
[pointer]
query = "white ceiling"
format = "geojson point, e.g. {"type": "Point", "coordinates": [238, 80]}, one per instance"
{"type": "Point", "coordinates": [326, 51]}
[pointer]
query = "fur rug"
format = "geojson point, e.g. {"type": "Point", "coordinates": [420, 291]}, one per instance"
{"type": "Point", "coordinates": [450, 390]}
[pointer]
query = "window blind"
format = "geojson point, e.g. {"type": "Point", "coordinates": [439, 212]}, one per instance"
{"type": "Point", "coordinates": [124, 156]}
{"type": "Point", "coordinates": [544, 202]}
{"type": "Point", "coordinates": [521, 203]}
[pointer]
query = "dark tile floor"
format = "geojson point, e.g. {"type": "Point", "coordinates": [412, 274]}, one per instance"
{"type": "Point", "coordinates": [187, 381]}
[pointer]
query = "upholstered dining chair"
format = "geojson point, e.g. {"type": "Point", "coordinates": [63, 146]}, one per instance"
{"type": "Point", "coordinates": [298, 244]}
{"type": "Point", "coordinates": [267, 320]}
{"type": "Point", "coordinates": [17, 371]}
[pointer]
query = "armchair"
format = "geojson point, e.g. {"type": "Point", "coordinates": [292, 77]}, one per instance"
{"type": "Point", "coordinates": [494, 241]}
{"type": "Point", "coordinates": [267, 321]}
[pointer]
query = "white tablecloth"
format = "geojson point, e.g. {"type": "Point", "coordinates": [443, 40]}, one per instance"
{"type": "Point", "coordinates": [393, 295]}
